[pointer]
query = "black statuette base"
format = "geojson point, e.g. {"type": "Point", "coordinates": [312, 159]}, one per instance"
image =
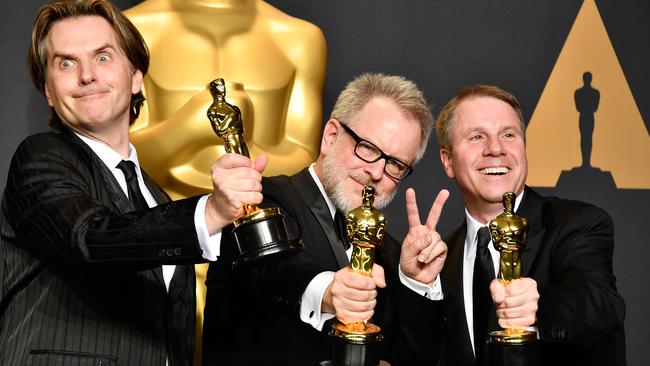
{"type": "Point", "coordinates": [514, 354]}
{"type": "Point", "coordinates": [264, 240]}
{"type": "Point", "coordinates": [353, 354]}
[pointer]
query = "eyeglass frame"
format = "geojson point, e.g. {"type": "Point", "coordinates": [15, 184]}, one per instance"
{"type": "Point", "coordinates": [382, 155]}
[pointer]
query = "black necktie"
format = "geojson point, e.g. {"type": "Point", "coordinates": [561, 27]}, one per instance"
{"type": "Point", "coordinates": [483, 275]}
{"type": "Point", "coordinates": [341, 231]}
{"type": "Point", "coordinates": [135, 195]}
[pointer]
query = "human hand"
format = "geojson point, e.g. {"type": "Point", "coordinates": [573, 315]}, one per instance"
{"type": "Point", "coordinates": [423, 251]}
{"type": "Point", "coordinates": [516, 302]}
{"type": "Point", "coordinates": [237, 181]}
{"type": "Point", "coordinates": [352, 295]}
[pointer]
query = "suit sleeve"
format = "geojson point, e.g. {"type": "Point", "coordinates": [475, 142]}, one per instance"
{"type": "Point", "coordinates": [58, 208]}
{"type": "Point", "coordinates": [580, 304]}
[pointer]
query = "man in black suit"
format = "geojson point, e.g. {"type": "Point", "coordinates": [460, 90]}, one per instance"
{"type": "Point", "coordinates": [567, 292]}
{"type": "Point", "coordinates": [93, 275]}
{"type": "Point", "coordinates": [378, 129]}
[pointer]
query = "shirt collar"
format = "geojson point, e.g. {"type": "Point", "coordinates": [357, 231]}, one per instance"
{"type": "Point", "coordinates": [109, 156]}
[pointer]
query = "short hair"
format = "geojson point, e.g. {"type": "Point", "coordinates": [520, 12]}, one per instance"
{"type": "Point", "coordinates": [447, 116]}
{"type": "Point", "coordinates": [129, 38]}
{"type": "Point", "coordinates": [403, 92]}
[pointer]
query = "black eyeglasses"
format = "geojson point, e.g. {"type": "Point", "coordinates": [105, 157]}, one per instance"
{"type": "Point", "coordinates": [370, 153]}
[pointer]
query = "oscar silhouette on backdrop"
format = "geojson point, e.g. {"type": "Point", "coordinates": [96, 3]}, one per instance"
{"type": "Point", "coordinates": [586, 101]}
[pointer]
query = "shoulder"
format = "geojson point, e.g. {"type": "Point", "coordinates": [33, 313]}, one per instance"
{"type": "Point", "coordinates": [287, 28]}
{"type": "Point", "coordinates": [49, 145]}
{"type": "Point", "coordinates": [281, 190]}
{"type": "Point", "coordinates": [277, 184]}
{"type": "Point", "coordinates": [558, 211]}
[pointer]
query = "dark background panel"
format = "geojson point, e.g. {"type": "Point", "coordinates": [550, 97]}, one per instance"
{"type": "Point", "coordinates": [443, 46]}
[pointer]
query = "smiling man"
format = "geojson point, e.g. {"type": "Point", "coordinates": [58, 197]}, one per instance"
{"type": "Point", "coordinates": [378, 129]}
{"type": "Point", "coordinates": [95, 256]}
{"type": "Point", "coordinates": [568, 291]}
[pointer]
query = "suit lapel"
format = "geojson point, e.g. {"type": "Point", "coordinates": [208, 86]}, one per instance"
{"type": "Point", "coordinates": [454, 273]}
{"type": "Point", "coordinates": [117, 196]}
{"type": "Point", "coordinates": [311, 195]}
{"type": "Point", "coordinates": [453, 277]}
{"type": "Point", "coordinates": [531, 209]}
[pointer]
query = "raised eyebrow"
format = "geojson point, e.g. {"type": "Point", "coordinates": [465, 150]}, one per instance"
{"type": "Point", "coordinates": [98, 50]}
{"type": "Point", "coordinates": [104, 48]}
{"type": "Point", "coordinates": [65, 56]}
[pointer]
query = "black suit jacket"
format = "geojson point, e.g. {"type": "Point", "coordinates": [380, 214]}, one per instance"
{"type": "Point", "coordinates": [251, 317]}
{"type": "Point", "coordinates": [569, 254]}
{"type": "Point", "coordinates": [83, 283]}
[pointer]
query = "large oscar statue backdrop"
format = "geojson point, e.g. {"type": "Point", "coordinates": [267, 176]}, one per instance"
{"type": "Point", "coordinates": [578, 67]}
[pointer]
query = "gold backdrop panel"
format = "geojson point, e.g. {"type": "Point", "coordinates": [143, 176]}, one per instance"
{"type": "Point", "coordinates": [275, 68]}
{"type": "Point", "coordinates": [275, 65]}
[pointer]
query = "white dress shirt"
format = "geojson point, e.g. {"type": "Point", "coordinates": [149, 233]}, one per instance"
{"type": "Point", "coordinates": [469, 256]}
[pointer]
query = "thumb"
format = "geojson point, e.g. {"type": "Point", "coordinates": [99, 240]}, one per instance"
{"type": "Point", "coordinates": [260, 162]}
{"type": "Point", "coordinates": [378, 275]}
{"type": "Point", "coordinates": [498, 291]}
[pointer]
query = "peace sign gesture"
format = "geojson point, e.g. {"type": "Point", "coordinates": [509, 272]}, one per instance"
{"type": "Point", "coordinates": [423, 251]}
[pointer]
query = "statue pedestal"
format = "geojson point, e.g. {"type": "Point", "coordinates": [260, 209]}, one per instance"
{"type": "Point", "coordinates": [506, 350]}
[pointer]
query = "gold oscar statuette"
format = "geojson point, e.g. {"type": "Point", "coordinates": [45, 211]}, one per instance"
{"type": "Point", "coordinates": [509, 232]}
{"type": "Point", "coordinates": [358, 343]}
{"type": "Point", "coordinates": [261, 233]}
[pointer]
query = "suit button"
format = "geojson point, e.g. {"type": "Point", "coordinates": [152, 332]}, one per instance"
{"type": "Point", "coordinates": [161, 253]}
{"type": "Point", "coordinates": [170, 252]}
{"type": "Point", "coordinates": [178, 251]}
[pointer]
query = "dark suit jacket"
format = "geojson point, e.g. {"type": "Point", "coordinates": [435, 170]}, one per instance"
{"type": "Point", "coordinates": [253, 319]}
{"type": "Point", "coordinates": [569, 253]}
{"type": "Point", "coordinates": [83, 283]}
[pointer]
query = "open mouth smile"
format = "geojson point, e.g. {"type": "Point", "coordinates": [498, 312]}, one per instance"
{"type": "Point", "coordinates": [500, 170]}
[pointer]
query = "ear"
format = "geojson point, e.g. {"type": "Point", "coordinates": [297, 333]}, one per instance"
{"type": "Point", "coordinates": [445, 158]}
{"type": "Point", "coordinates": [48, 96]}
{"type": "Point", "coordinates": [329, 136]}
{"type": "Point", "coordinates": [136, 81]}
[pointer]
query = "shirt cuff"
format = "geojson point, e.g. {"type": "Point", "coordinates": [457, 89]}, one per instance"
{"type": "Point", "coordinates": [312, 298]}
{"type": "Point", "coordinates": [433, 292]}
{"type": "Point", "coordinates": [210, 244]}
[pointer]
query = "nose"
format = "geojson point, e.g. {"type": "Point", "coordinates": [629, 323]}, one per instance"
{"type": "Point", "coordinates": [375, 170]}
{"type": "Point", "coordinates": [493, 146]}
{"type": "Point", "coordinates": [87, 73]}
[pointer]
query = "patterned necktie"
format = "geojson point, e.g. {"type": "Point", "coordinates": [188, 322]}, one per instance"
{"type": "Point", "coordinates": [483, 275]}
{"type": "Point", "coordinates": [135, 195]}
{"type": "Point", "coordinates": [341, 231]}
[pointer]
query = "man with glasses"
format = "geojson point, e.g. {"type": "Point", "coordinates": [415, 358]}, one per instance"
{"type": "Point", "coordinates": [378, 129]}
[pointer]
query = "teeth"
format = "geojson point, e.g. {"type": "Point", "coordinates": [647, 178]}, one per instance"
{"type": "Point", "coordinates": [495, 170]}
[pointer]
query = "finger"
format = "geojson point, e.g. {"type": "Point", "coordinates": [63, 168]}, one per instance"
{"type": "Point", "coordinates": [355, 306]}
{"type": "Point", "coordinates": [498, 291]}
{"type": "Point", "coordinates": [378, 275]}
{"type": "Point", "coordinates": [230, 160]}
{"type": "Point", "coordinates": [425, 253]}
{"type": "Point", "coordinates": [436, 209]}
{"type": "Point", "coordinates": [347, 317]}
{"type": "Point", "coordinates": [355, 280]}
{"type": "Point", "coordinates": [439, 250]}
{"type": "Point", "coordinates": [416, 248]}
{"type": "Point", "coordinates": [412, 212]}
{"type": "Point", "coordinates": [521, 286]}
{"type": "Point", "coordinates": [521, 312]}
{"type": "Point", "coordinates": [260, 162]}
